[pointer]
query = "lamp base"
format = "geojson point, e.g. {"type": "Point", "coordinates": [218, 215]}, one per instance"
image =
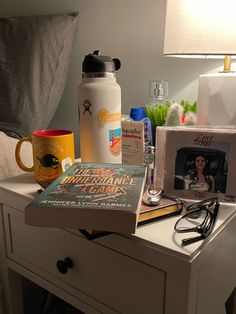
{"type": "Point", "coordinates": [216, 104]}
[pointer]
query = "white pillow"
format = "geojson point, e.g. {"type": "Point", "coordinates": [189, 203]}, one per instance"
{"type": "Point", "coordinates": [8, 165]}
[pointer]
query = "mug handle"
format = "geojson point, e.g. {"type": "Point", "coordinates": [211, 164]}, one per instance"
{"type": "Point", "coordinates": [18, 157]}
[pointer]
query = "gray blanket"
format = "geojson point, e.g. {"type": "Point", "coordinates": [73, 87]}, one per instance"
{"type": "Point", "coordinates": [34, 61]}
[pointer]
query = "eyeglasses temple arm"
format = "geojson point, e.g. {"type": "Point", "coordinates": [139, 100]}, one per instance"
{"type": "Point", "coordinates": [217, 206]}
{"type": "Point", "coordinates": [188, 241]}
{"type": "Point", "coordinates": [215, 214]}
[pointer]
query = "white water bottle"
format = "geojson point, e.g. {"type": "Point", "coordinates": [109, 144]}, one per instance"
{"type": "Point", "coordinates": [100, 110]}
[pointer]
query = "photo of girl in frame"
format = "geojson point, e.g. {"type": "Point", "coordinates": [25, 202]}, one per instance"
{"type": "Point", "coordinates": [201, 170]}
{"type": "Point", "coordinates": [179, 173]}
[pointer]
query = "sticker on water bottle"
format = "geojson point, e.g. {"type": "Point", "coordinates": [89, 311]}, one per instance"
{"type": "Point", "coordinates": [105, 116]}
{"type": "Point", "coordinates": [115, 141]}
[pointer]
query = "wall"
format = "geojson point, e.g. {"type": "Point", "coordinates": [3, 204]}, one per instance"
{"type": "Point", "coordinates": [131, 30]}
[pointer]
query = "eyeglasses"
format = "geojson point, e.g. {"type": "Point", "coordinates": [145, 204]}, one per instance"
{"type": "Point", "coordinates": [200, 218]}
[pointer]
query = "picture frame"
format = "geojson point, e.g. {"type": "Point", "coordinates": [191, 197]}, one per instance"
{"type": "Point", "coordinates": [196, 162]}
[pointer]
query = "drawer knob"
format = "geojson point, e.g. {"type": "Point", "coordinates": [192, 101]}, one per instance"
{"type": "Point", "coordinates": [63, 265]}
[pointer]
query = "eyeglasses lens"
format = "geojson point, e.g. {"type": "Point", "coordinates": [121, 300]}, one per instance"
{"type": "Point", "coordinates": [193, 219]}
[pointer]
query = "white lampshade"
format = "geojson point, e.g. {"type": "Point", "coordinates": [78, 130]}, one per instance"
{"type": "Point", "coordinates": [206, 28]}
{"type": "Point", "coordinates": [200, 27]}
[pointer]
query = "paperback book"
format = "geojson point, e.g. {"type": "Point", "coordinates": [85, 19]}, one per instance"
{"type": "Point", "coordinates": [104, 197]}
{"type": "Point", "coordinates": [166, 207]}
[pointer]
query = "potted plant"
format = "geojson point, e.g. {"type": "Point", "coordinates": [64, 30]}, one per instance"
{"type": "Point", "coordinates": [171, 114]}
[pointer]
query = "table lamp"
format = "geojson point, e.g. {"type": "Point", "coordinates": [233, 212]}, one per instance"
{"type": "Point", "coordinates": [206, 28]}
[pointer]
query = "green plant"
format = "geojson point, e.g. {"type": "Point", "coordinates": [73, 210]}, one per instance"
{"type": "Point", "coordinates": [157, 113]}
{"type": "Point", "coordinates": [188, 106]}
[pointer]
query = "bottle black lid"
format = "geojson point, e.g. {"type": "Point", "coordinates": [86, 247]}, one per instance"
{"type": "Point", "coordinates": [94, 63]}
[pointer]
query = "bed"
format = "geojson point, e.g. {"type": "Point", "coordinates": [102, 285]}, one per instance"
{"type": "Point", "coordinates": [8, 166]}
{"type": "Point", "coordinates": [35, 53]}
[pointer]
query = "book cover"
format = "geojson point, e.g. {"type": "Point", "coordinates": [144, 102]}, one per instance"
{"type": "Point", "coordinates": [104, 197]}
{"type": "Point", "coordinates": [166, 207]}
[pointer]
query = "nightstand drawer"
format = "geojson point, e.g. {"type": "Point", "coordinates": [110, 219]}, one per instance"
{"type": "Point", "coordinates": [122, 283]}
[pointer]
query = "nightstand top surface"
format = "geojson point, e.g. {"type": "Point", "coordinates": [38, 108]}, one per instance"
{"type": "Point", "coordinates": [18, 191]}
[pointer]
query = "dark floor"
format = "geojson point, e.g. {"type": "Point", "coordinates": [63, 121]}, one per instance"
{"type": "Point", "coordinates": [39, 301]}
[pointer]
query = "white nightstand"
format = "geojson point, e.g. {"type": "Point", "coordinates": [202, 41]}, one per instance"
{"type": "Point", "coordinates": [148, 272]}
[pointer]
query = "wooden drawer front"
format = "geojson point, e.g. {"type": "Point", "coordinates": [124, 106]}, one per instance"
{"type": "Point", "coordinates": [120, 282]}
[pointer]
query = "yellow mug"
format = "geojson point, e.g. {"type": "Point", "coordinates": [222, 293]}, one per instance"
{"type": "Point", "coordinates": [53, 153]}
